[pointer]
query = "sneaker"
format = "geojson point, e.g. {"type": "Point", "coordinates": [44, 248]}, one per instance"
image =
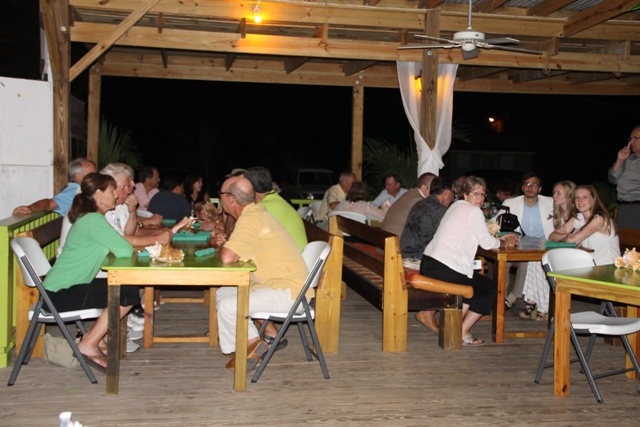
{"type": "Point", "coordinates": [135, 323]}
{"type": "Point", "coordinates": [137, 311]}
{"type": "Point", "coordinates": [156, 306]}
{"type": "Point", "coordinates": [131, 346]}
{"type": "Point", "coordinates": [134, 335]}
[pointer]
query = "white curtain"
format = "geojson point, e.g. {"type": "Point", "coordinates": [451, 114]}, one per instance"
{"type": "Point", "coordinates": [428, 160]}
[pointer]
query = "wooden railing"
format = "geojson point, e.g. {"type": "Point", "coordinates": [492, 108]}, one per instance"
{"type": "Point", "coordinates": [9, 227]}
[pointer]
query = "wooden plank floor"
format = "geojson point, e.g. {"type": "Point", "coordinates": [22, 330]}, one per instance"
{"type": "Point", "coordinates": [187, 384]}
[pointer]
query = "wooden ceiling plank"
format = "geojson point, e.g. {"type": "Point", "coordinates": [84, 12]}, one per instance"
{"type": "Point", "coordinates": [581, 78]}
{"type": "Point", "coordinates": [104, 44]}
{"type": "Point", "coordinates": [229, 59]}
{"type": "Point", "coordinates": [470, 73]}
{"type": "Point", "coordinates": [352, 67]}
{"type": "Point", "coordinates": [549, 46]}
{"type": "Point", "coordinates": [631, 80]}
{"type": "Point", "coordinates": [622, 49]}
{"type": "Point", "coordinates": [596, 15]}
{"type": "Point", "coordinates": [242, 28]}
{"type": "Point", "coordinates": [292, 64]}
{"type": "Point", "coordinates": [488, 6]}
{"type": "Point", "coordinates": [547, 7]}
{"type": "Point", "coordinates": [74, 15]}
{"type": "Point", "coordinates": [429, 4]}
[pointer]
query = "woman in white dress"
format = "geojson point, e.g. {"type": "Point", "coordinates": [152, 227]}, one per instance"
{"type": "Point", "coordinates": [536, 288]}
{"type": "Point", "coordinates": [594, 229]}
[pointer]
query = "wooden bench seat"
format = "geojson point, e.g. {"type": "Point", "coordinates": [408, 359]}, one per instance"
{"type": "Point", "coordinates": [382, 281]}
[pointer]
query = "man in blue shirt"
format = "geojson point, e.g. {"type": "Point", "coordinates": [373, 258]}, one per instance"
{"type": "Point", "coordinates": [61, 202]}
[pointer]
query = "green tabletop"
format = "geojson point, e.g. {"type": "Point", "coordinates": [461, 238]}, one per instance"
{"type": "Point", "coordinates": [608, 275]}
{"type": "Point", "coordinates": [190, 262]}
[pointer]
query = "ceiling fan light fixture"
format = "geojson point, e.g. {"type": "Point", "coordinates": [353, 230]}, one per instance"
{"type": "Point", "coordinates": [468, 46]}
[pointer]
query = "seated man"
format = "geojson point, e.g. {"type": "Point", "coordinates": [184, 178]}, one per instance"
{"type": "Point", "coordinates": [422, 223]}
{"type": "Point", "coordinates": [260, 178]}
{"type": "Point", "coordinates": [171, 203]}
{"type": "Point", "coordinates": [392, 190]}
{"type": "Point", "coordinates": [61, 202]}
{"type": "Point", "coordinates": [335, 194]}
{"type": "Point", "coordinates": [281, 270]}
{"type": "Point", "coordinates": [397, 214]}
{"type": "Point", "coordinates": [147, 186]}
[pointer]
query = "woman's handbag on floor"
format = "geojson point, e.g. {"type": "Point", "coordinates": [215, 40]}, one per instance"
{"type": "Point", "coordinates": [58, 352]}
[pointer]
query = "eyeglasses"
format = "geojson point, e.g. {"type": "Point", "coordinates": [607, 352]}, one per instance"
{"type": "Point", "coordinates": [221, 193]}
{"type": "Point", "coordinates": [635, 138]}
{"type": "Point", "coordinates": [531, 185]}
{"type": "Point", "coordinates": [476, 194]}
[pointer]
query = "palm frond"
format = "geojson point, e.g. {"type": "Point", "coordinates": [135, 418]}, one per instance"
{"type": "Point", "coordinates": [116, 145]}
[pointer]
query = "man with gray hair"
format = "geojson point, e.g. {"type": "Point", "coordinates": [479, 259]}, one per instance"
{"type": "Point", "coordinates": [335, 194]}
{"type": "Point", "coordinates": [61, 202]}
{"type": "Point", "coordinates": [281, 270]}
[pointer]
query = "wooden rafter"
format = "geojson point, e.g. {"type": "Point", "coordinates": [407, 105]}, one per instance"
{"type": "Point", "coordinates": [242, 28]}
{"type": "Point", "coordinates": [470, 73]}
{"type": "Point", "coordinates": [488, 6]}
{"type": "Point", "coordinates": [292, 64]}
{"type": "Point", "coordinates": [547, 7]}
{"type": "Point", "coordinates": [596, 15]}
{"type": "Point", "coordinates": [352, 67]}
{"type": "Point", "coordinates": [429, 4]}
{"type": "Point", "coordinates": [524, 76]}
{"type": "Point", "coordinates": [104, 44]}
{"type": "Point", "coordinates": [229, 60]}
{"type": "Point", "coordinates": [581, 78]}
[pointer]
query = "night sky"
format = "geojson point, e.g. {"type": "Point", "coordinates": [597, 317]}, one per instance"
{"type": "Point", "coordinates": [212, 127]}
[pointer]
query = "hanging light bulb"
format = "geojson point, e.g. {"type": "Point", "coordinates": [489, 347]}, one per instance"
{"type": "Point", "coordinates": [256, 14]}
{"type": "Point", "coordinates": [418, 80]}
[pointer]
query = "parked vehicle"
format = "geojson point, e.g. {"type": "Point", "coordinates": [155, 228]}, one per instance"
{"type": "Point", "coordinates": [307, 182]}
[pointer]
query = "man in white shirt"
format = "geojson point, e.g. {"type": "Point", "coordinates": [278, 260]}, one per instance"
{"type": "Point", "coordinates": [535, 214]}
{"type": "Point", "coordinates": [392, 190]}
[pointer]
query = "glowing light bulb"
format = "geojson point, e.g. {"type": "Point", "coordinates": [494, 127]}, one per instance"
{"type": "Point", "coordinates": [256, 14]}
{"type": "Point", "coordinates": [491, 120]}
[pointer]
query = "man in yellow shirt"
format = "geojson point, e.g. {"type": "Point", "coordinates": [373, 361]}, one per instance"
{"type": "Point", "coordinates": [281, 270]}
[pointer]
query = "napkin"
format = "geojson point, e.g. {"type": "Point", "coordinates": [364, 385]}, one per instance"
{"type": "Point", "coordinates": [168, 222]}
{"type": "Point", "coordinates": [144, 253]}
{"type": "Point", "coordinates": [551, 245]}
{"type": "Point", "coordinates": [186, 236]}
{"type": "Point", "coordinates": [203, 252]}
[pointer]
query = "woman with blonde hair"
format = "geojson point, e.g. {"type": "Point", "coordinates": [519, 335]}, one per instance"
{"type": "Point", "coordinates": [536, 289]}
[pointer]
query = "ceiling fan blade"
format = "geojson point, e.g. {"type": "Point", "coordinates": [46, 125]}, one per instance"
{"type": "Point", "coordinates": [503, 40]}
{"type": "Point", "coordinates": [435, 46]}
{"type": "Point", "coordinates": [422, 36]}
{"type": "Point", "coordinates": [513, 49]}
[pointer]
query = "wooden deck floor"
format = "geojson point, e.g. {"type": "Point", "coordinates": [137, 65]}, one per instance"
{"type": "Point", "coordinates": [187, 384]}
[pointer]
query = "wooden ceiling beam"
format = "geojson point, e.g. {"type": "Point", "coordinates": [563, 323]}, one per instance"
{"type": "Point", "coordinates": [488, 6]}
{"type": "Point", "coordinates": [160, 22]}
{"type": "Point", "coordinates": [351, 67]}
{"type": "Point", "coordinates": [631, 80]}
{"type": "Point", "coordinates": [109, 39]}
{"type": "Point", "coordinates": [242, 28]}
{"type": "Point", "coordinates": [292, 64]}
{"type": "Point", "coordinates": [370, 2]}
{"type": "Point", "coordinates": [165, 58]}
{"type": "Point", "coordinates": [547, 7]}
{"type": "Point", "coordinates": [470, 73]}
{"type": "Point", "coordinates": [596, 15]}
{"type": "Point", "coordinates": [581, 78]}
{"type": "Point", "coordinates": [229, 59]}
{"type": "Point", "coordinates": [343, 49]}
{"type": "Point", "coordinates": [429, 4]}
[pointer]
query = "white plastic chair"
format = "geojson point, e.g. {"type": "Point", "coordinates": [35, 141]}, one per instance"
{"type": "Point", "coordinates": [34, 265]}
{"type": "Point", "coordinates": [315, 208]}
{"type": "Point", "coordinates": [315, 255]}
{"type": "Point", "coordinates": [306, 213]}
{"type": "Point", "coordinates": [589, 322]}
{"type": "Point", "coordinates": [351, 215]}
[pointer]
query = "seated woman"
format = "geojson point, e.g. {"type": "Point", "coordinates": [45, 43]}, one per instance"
{"type": "Point", "coordinates": [194, 193]}
{"type": "Point", "coordinates": [356, 201]}
{"type": "Point", "coordinates": [536, 288]}
{"type": "Point", "coordinates": [593, 229]}
{"type": "Point", "coordinates": [71, 282]}
{"type": "Point", "coordinates": [449, 256]}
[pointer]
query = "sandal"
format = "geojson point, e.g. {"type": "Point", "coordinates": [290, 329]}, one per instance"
{"type": "Point", "coordinates": [472, 341]}
{"type": "Point", "coordinates": [530, 311]}
{"type": "Point", "coordinates": [508, 305]}
{"type": "Point", "coordinates": [282, 344]}
{"type": "Point", "coordinates": [542, 317]}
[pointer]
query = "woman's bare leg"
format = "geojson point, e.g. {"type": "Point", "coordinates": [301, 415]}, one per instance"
{"type": "Point", "coordinates": [89, 344]}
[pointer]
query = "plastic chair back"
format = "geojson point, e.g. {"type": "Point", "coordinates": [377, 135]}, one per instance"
{"type": "Point", "coordinates": [315, 252]}
{"type": "Point", "coordinates": [565, 259]}
{"type": "Point", "coordinates": [356, 216]}
{"type": "Point", "coordinates": [315, 208]}
{"type": "Point", "coordinates": [29, 247]}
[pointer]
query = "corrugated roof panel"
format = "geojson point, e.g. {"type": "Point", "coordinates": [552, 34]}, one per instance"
{"type": "Point", "coordinates": [577, 5]}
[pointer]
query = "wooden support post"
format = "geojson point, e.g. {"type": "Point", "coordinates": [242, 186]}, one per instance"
{"type": "Point", "coordinates": [357, 124]}
{"type": "Point", "coordinates": [93, 114]}
{"type": "Point", "coordinates": [450, 336]}
{"type": "Point", "coordinates": [395, 299]}
{"type": "Point", "coordinates": [429, 102]}
{"type": "Point", "coordinates": [328, 298]}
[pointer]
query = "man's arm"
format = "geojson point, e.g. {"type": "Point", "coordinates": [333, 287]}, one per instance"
{"type": "Point", "coordinates": [132, 223]}
{"type": "Point", "coordinates": [227, 255]}
{"type": "Point", "coordinates": [39, 206]}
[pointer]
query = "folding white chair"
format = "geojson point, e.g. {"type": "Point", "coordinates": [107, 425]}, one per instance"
{"type": "Point", "coordinates": [34, 265]}
{"type": "Point", "coordinates": [351, 215]}
{"type": "Point", "coordinates": [315, 254]}
{"type": "Point", "coordinates": [306, 213]}
{"type": "Point", "coordinates": [315, 208]}
{"type": "Point", "coordinates": [589, 322]}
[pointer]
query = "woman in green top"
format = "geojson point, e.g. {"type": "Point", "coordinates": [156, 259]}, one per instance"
{"type": "Point", "coordinates": [71, 282]}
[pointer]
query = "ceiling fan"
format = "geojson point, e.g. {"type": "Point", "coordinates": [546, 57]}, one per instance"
{"type": "Point", "coordinates": [469, 41]}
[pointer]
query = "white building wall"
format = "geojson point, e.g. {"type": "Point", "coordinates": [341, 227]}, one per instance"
{"type": "Point", "coordinates": [26, 135]}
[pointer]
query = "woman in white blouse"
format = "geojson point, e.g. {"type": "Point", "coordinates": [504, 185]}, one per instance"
{"type": "Point", "coordinates": [449, 256]}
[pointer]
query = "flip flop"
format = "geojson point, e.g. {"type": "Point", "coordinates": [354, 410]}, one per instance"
{"type": "Point", "coordinates": [91, 361]}
{"type": "Point", "coordinates": [472, 341]}
{"type": "Point", "coordinates": [282, 344]}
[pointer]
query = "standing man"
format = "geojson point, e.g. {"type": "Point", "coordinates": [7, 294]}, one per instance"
{"type": "Point", "coordinates": [260, 179]}
{"type": "Point", "coordinates": [392, 190]}
{"type": "Point", "coordinates": [625, 173]}
{"type": "Point", "coordinates": [335, 194]}
{"type": "Point", "coordinates": [61, 202]}
{"type": "Point", "coordinates": [535, 214]}
{"type": "Point", "coordinates": [397, 214]}
{"type": "Point", "coordinates": [147, 186]}
{"type": "Point", "coordinates": [281, 270]}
